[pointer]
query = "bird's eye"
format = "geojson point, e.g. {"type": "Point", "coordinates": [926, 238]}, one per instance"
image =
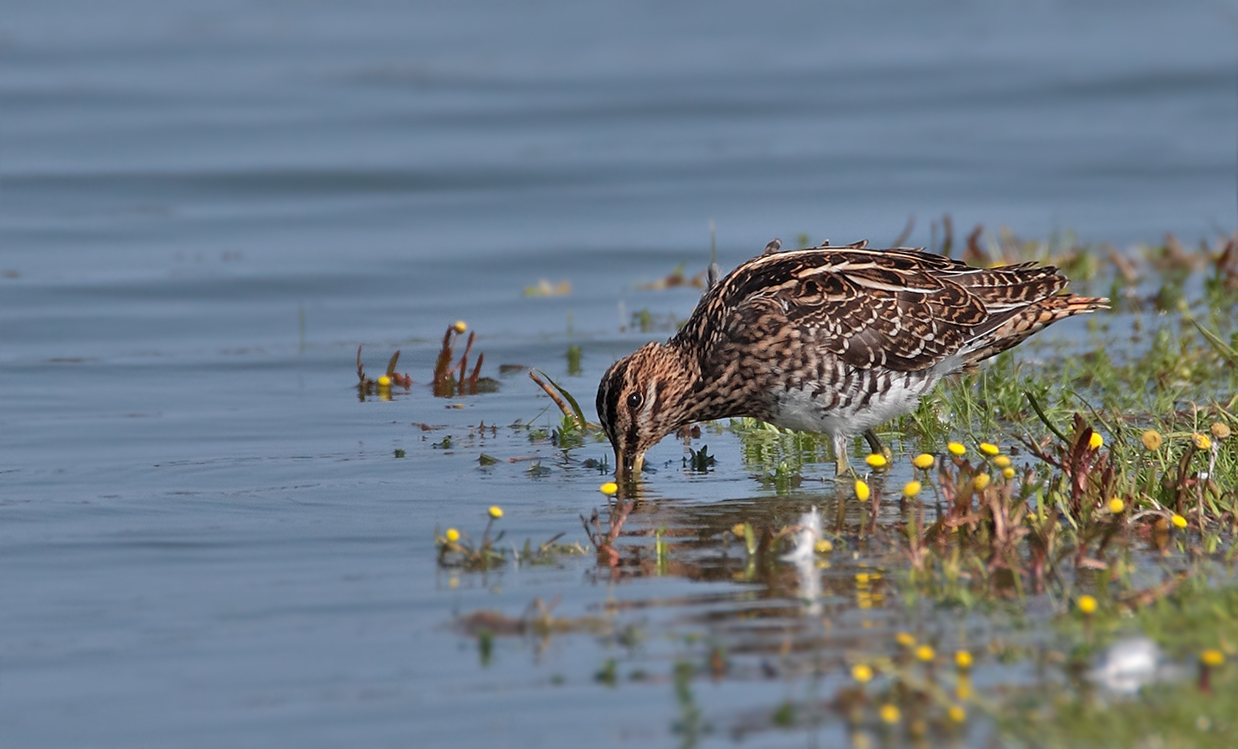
{"type": "Point", "coordinates": [635, 400]}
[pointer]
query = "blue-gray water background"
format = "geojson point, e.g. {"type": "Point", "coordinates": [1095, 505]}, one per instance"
{"type": "Point", "coordinates": [205, 207]}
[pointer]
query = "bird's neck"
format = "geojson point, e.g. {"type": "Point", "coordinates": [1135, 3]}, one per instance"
{"type": "Point", "coordinates": [685, 383]}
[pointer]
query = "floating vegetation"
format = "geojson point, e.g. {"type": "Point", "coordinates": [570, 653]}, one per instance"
{"type": "Point", "coordinates": [574, 354]}
{"type": "Point", "coordinates": [537, 624]}
{"type": "Point", "coordinates": [700, 461]}
{"type": "Point", "coordinates": [455, 379]}
{"type": "Point", "coordinates": [382, 386]}
{"type": "Point", "coordinates": [647, 321]}
{"type": "Point", "coordinates": [457, 550]}
{"type": "Point", "coordinates": [546, 288]}
{"type": "Point", "coordinates": [674, 279]}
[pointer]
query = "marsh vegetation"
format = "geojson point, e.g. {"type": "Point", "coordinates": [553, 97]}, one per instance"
{"type": "Point", "coordinates": [1044, 557]}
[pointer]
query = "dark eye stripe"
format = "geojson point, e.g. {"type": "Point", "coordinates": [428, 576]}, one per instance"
{"type": "Point", "coordinates": [608, 401]}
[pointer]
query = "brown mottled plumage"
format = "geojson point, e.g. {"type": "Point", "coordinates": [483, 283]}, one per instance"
{"type": "Point", "coordinates": [828, 339]}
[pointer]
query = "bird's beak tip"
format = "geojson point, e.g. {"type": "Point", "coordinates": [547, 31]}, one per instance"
{"type": "Point", "coordinates": [625, 469]}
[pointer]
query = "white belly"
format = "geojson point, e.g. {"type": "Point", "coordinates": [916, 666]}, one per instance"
{"type": "Point", "coordinates": [798, 409]}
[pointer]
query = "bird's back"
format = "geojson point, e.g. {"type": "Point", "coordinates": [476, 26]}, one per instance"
{"type": "Point", "coordinates": [897, 310]}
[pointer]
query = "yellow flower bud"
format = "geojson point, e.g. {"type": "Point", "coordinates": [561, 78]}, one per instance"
{"type": "Point", "coordinates": [1008, 472]}
{"type": "Point", "coordinates": [890, 714]}
{"type": "Point", "coordinates": [862, 673]}
{"type": "Point", "coordinates": [922, 461]}
{"type": "Point", "coordinates": [610, 488]}
{"type": "Point", "coordinates": [1178, 521]}
{"type": "Point", "coordinates": [925, 653]}
{"type": "Point", "coordinates": [1212, 657]}
{"type": "Point", "coordinates": [1095, 441]}
{"type": "Point", "coordinates": [956, 448]}
{"type": "Point", "coordinates": [1220, 430]}
{"type": "Point", "coordinates": [496, 512]}
{"type": "Point", "coordinates": [1116, 505]}
{"type": "Point", "coordinates": [1001, 461]}
{"type": "Point", "coordinates": [452, 535]}
{"type": "Point", "coordinates": [384, 381]}
{"type": "Point", "coordinates": [738, 529]}
{"type": "Point", "coordinates": [956, 714]}
{"type": "Point", "coordinates": [912, 488]}
{"type": "Point", "coordinates": [1201, 441]}
{"type": "Point", "coordinates": [905, 639]}
{"type": "Point", "coordinates": [963, 660]}
{"type": "Point", "coordinates": [876, 461]}
{"type": "Point", "coordinates": [1152, 439]}
{"type": "Point", "coordinates": [459, 326]}
{"type": "Point", "coordinates": [823, 547]}
{"type": "Point", "coordinates": [981, 481]}
{"type": "Point", "coordinates": [862, 492]}
{"type": "Point", "coordinates": [1087, 605]}
{"type": "Point", "coordinates": [988, 448]}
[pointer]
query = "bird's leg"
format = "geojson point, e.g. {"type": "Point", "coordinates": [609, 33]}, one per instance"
{"type": "Point", "coordinates": [840, 455]}
{"type": "Point", "coordinates": [876, 446]}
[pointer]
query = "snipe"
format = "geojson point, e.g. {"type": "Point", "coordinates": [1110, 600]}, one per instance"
{"type": "Point", "coordinates": [828, 339]}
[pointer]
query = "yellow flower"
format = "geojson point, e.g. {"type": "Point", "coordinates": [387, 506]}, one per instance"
{"type": "Point", "coordinates": [1201, 441]}
{"type": "Point", "coordinates": [905, 639]}
{"type": "Point", "coordinates": [876, 461]}
{"type": "Point", "coordinates": [1152, 439]}
{"type": "Point", "coordinates": [912, 488]}
{"type": "Point", "coordinates": [610, 488]}
{"type": "Point", "coordinates": [459, 326]}
{"type": "Point", "coordinates": [1087, 605]}
{"type": "Point", "coordinates": [1008, 472]}
{"type": "Point", "coordinates": [922, 461]}
{"type": "Point", "coordinates": [737, 529]}
{"type": "Point", "coordinates": [1095, 441]}
{"type": "Point", "coordinates": [1001, 461]}
{"type": "Point", "coordinates": [1116, 505]}
{"type": "Point", "coordinates": [963, 660]}
{"type": "Point", "coordinates": [981, 481]}
{"type": "Point", "coordinates": [1212, 657]}
{"type": "Point", "coordinates": [823, 546]}
{"type": "Point", "coordinates": [889, 714]}
{"type": "Point", "coordinates": [956, 714]}
{"type": "Point", "coordinates": [1220, 430]}
{"type": "Point", "coordinates": [862, 491]}
{"type": "Point", "coordinates": [988, 448]}
{"type": "Point", "coordinates": [384, 381]}
{"type": "Point", "coordinates": [862, 673]}
{"type": "Point", "coordinates": [453, 535]}
{"type": "Point", "coordinates": [925, 653]}
{"type": "Point", "coordinates": [496, 512]}
{"type": "Point", "coordinates": [1178, 521]}
{"type": "Point", "coordinates": [956, 448]}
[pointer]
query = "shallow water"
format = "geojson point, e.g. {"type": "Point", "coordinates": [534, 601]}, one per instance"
{"type": "Point", "coordinates": [206, 207]}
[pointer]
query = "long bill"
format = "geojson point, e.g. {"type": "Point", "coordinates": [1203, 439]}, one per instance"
{"type": "Point", "coordinates": [625, 469]}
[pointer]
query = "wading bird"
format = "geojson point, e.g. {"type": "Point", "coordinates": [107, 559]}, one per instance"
{"type": "Point", "coordinates": [827, 339]}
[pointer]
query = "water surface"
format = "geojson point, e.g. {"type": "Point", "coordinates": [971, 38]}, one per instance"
{"type": "Point", "coordinates": [206, 207]}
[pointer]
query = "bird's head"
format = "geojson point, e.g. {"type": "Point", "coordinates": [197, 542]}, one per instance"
{"type": "Point", "coordinates": [641, 399]}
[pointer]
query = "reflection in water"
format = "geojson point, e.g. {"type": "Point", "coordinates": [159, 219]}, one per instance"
{"type": "Point", "coordinates": [806, 534]}
{"type": "Point", "coordinates": [869, 642]}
